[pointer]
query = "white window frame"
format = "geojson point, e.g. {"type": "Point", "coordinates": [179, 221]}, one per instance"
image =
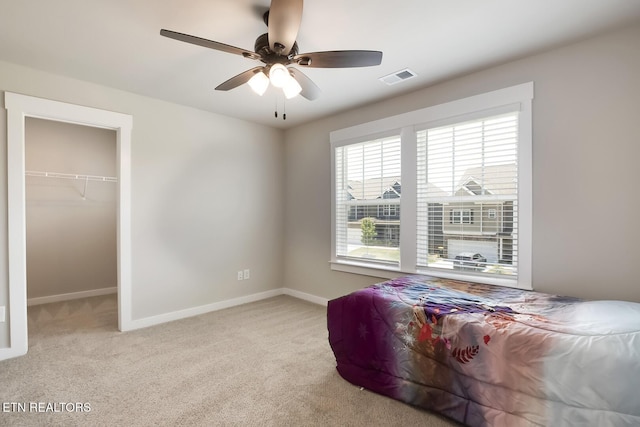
{"type": "Point", "coordinates": [383, 264]}
{"type": "Point", "coordinates": [514, 98]}
{"type": "Point", "coordinates": [387, 210]}
{"type": "Point", "coordinates": [461, 216]}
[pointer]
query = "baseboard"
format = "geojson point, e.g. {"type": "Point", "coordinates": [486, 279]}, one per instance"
{"type": "Point", "coordinates": [11, 352]}
{"type": "Point", "coordinates": [203, 309]}
{"type": "Point", "coordinates": [207, 308]}
{"type": "Point", "coordinates": [304, 296]}
{"type": "Point", "coordinates": [72, 296]}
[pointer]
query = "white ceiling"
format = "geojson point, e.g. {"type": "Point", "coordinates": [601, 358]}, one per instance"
{"type": "Point", "coordinates": [116, 43]}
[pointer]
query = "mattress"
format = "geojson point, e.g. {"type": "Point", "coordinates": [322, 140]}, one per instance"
{"type": "Point", "coordinates": [491, 356]}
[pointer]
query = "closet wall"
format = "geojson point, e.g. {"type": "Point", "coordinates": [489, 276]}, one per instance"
{"type": "Point", "coordinates": [70, 223]}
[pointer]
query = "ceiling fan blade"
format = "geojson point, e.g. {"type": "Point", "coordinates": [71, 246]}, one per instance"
{"type": "Point", "coordinates": [208, 43]}
{"type": "Point", "coordinates": [284, 22]}
{"type": "Point", "coordinates": [339, 59]}
{"type": "Point", "coordinates": [309, 88]}
{"type": "Point", "coordinates": [240, 79]}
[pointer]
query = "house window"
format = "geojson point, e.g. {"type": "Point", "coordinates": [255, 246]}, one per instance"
{"type": "Point", "coordinates": [463, 170]}
{"type": "Point", "coordinates": [463, 164]}
{"type": "Point", "coordinates": [365, 174]}
{"type": "Point", "coordinates": [388, 211]}
{"type": "Point", "coordinates": [461, 216]}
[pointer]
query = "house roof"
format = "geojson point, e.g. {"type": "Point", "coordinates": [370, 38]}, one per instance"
{"type": "Point", "coordinates": [375, 188]}
{"type": "Point", "coordinates": [488, 180]}
{"type": "Point", "coordinates": [385, 188]}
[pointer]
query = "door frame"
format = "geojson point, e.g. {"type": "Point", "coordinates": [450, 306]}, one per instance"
{"type": "Point", "coordinates": [18, 108]}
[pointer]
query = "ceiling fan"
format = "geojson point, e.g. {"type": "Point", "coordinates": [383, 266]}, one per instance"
{"type": "Point", "coordinates": [278, 50]}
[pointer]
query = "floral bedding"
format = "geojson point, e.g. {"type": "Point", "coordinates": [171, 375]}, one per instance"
{"type": "Point", "coordinates": [491, 356]}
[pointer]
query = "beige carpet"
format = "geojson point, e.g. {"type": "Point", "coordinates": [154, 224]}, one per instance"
{"type": "Point", "coordinates": [265, 363]}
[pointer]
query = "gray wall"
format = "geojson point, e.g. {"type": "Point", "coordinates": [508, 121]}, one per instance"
{"type": "Point", "coordinates": [211, 195]}
{"type": "Point", "coordinates": [586, 127]}
{"type": "Point", "coordinates": [71, 240]}
{"type": "Point", "coordinates": [207, 197]}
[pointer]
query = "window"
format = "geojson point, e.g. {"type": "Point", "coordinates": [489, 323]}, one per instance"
{"type": "Point", "coordinates": [388, 211]}
{"type": "Point", "coordinates": [367, 190]}
{"type": "Point", "coordinates": [467, 166]}
{"type": "Point", "coordinates": [461, 216]}
{"type": "Point", "coordinates": [423, 191]}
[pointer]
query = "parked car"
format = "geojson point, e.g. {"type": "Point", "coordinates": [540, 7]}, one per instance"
{"type": "Point", "coordinates": [469, 261]}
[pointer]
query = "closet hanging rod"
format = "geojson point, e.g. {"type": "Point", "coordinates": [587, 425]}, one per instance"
{"type": "Point", "coordinates": [71, 176]}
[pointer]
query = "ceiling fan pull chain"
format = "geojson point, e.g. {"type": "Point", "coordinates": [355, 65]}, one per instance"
{"type": "Point", "coordinates": [276, 113]}
{"type": "Point", "coordinates": [284, 109]}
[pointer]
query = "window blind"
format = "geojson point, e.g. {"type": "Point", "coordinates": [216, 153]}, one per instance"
{"type": "Point", "coordinates": [368, 193]}
{"type": "Point", "coordinates": [467, 194]}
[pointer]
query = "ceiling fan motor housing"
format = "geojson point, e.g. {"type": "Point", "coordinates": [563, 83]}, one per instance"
{"type": "Point", "coordinates": [268, 56]}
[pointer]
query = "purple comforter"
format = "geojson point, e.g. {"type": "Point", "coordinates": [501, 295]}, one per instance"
{"type": "Point", "coordinates": [491, 356]}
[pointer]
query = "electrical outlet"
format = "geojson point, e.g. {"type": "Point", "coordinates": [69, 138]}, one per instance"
{"type": "Point", "coordinates": [240, 275]}
{"type": "Point", "coordinates": [2, 314]}
{"type": "Point", "coordinates": [247, 274]}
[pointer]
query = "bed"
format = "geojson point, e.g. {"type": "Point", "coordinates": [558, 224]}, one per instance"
{"type": "Point", "coordinates": [491, 356]}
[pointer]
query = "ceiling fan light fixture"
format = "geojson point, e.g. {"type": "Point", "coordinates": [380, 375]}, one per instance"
{"type": "Point", "coordinates": [292, 88]}
{"type": "Point", "coordinates": [279, 75]}
{"type": "Point", "coordinates": [259, 83]}
{"type": "Point", "coordinates": [277, 49]}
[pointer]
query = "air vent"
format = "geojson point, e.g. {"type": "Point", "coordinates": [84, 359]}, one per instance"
{"type": "Point", "coordinates": [397, 77]}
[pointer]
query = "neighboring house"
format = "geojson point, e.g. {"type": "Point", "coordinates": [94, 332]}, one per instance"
{"type": "Point", "coordinates": [486, 218]}
{"type": "Point", "coordinates": [371, 195]}
{"type": "Point", "coordinates": [479, 218]}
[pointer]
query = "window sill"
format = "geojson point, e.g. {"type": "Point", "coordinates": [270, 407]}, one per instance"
{"type": "Point", "coordinates": [391, 272]}
{"type": "Point", "coordinates": [487, 279]}
{"type": "Point", "coordinates": [366, 269]}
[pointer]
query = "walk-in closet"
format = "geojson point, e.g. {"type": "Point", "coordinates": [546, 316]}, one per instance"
{"type": "Point", "coordinates": [71, 219]}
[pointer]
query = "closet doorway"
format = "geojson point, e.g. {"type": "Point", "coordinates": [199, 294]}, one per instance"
{"type": "Point", "coordinates": [19, 108]}
{"type": "Point", "coordinates": [71, 203]}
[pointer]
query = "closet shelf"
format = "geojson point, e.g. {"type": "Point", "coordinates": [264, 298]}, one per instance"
{"type": "Point", "coordinates": [85, 178]}
{"type": "Point", "coordinates": [71, 176]}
